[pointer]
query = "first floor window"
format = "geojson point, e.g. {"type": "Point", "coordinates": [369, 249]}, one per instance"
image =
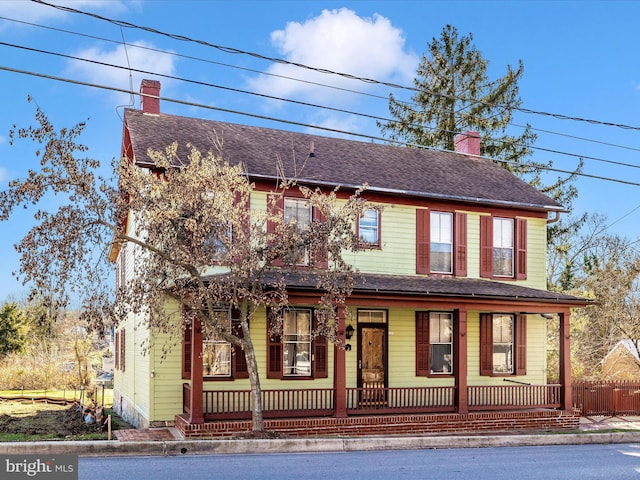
{"type": "Point", "coordinates": [216, 351]}
{"type": "Point", "coordinates": [440, 343]}
{"type": "Point", "coordinates": [503, 329]}
{"type": "Point", "coordinates": [434, 343]}
{"type": "Point", "coordinates": [296, 342]}
{"type": "Point", "coordinates": [293, 351]}
{"type": "Point", "coordinates": [503, 344]}
{"type": "Point", "coordinates": [220, 359]}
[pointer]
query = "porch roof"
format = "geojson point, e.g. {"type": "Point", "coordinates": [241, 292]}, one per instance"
{"type": "Point", "coordinates": [437, 287]}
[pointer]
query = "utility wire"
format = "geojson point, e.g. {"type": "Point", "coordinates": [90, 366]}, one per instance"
{"type": "Point", "coordinates": [299, 80]}
{"type": "Point", "coordinates": [301, 124]}
{"type": "Point", "coordinates": [236, 51]}
{"type": "Point", "coordinates": [270, 97]}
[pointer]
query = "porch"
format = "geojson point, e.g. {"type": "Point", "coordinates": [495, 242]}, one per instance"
{"type": "Point", "coordinates": [382, 411]}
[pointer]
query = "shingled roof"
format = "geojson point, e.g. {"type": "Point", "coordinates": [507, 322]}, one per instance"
{"type": "Point", "coordinates": [339, 162]}
{"type": "Point", "coordinates": [427, 287]}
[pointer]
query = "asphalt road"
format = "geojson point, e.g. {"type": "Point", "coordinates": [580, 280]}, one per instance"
{"type": "Point", "coordinates": [566, 462]}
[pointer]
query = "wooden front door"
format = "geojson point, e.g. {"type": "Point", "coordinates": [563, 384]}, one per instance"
{"type": "Point", "coordinates": [372, 362]}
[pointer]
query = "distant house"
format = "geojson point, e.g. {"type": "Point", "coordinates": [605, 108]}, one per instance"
{"type": "Point", "coordinates": [449, 330]}
{"type": "Point", "coordinates": [622, 362]}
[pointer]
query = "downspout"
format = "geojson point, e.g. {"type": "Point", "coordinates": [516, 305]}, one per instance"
{"type": "Point", "coordinates": [554, 219]}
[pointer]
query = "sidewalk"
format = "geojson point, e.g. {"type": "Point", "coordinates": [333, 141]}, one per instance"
{"type": "Point", "coordinates": [166, 441]}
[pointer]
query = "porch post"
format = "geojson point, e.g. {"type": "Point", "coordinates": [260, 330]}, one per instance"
{"type": "Point", "coordinates": [195, 416]}
{"type": "Point", "coordinates": [339, 369]}
{"type": "Point", "coordinates": [461, 400]}
{"type": "Point", "coordinates": [565, 361]}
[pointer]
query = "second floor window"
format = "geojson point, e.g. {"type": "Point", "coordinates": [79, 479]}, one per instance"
{"type": "Point", "coordinates": [503, 247]}
{"type": "Point", "coordinates": [441, 242]}
{"type": "Point", "coordinates": [369, 228]}
{"type": "Point", "coordinates": [441, 250]}
{"type": "Point", "coordinates": [297, 212]}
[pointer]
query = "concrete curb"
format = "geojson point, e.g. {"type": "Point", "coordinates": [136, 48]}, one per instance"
{"type": "Point", "coordinates": [299, 445]}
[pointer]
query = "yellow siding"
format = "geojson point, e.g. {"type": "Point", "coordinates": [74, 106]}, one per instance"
{"type": "Point", "coordinates": [165, 374]}
{"type": "Point", "coordinates": [536, 253]}
{"type": "Point", "coordinates": [398, 253]}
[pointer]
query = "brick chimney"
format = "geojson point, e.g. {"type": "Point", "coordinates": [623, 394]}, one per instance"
{"type": "Point", "coordinates": [468, 142]}
{"type": "Point", "coordinates": [150, 96]}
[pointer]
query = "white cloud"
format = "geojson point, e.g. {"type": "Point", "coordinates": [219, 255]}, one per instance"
{"type": "Point", "coordinates": [35, 12]}
{"type": "Point", "coordinates": [341, 41]}
{"type": "Point", "coordinates": [138, 55]}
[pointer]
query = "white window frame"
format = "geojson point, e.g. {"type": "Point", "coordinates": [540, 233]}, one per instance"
{"type": "Point", "coordinates": [217, 352]}
{"type": "Point", "coordinates": [369, 227]}
{"type": "Point", "coordinates": [503, 348]}
{"type": "Point", "coordinates": [297, 205]}
{"type": "Point", "coordinates": [296, 346]}
{"type": "Point", "coordinates": [440, 235]}
{"type": "Point", "coordinates": [442, 335]}
{"type": "Point", "coordinates": [372, 316]}
{"type": "Point", "coordinates": [503, 246]}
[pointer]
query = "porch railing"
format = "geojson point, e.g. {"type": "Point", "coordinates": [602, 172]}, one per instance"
{"type": "Point", "coordinates": [500, 397]}
{"type": "Point", "coordinates": [236, 404]}
{"type": "Point", "coordinates": [400, 400]}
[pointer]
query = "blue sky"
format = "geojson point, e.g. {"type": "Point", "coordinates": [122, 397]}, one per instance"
{"type": "Point", "coordinates": [581, 60]}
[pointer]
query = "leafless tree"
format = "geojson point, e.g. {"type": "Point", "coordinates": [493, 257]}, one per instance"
{"type": "Point", "coordinates": [198, 244]}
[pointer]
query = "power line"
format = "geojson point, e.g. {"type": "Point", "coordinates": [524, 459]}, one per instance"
{"type": "Point", "coordinates": [297, 102]}
{"type": "Point", "coordinates": [357, 92]}
{"type": "Point", "coordinates": [237, 51]}
{"type": "Point", "coordinates": [301, 124]}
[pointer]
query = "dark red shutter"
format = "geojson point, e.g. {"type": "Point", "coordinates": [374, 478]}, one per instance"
{"type": "Point", "coordinates": [246, 205]}
{"type": "Point", "coordinates": [460, 245]}
{"type": "Point", "coordinates": [521, 248]}
{"type": "Point", "coordinates": [240, 369]}
{"type": "Point", "coordinates": [422, 344]}
{"type": "Point", "coordinates": [521, 344]}
{"type": "Point", "coordinates": [123, 349]}
{"type": "Point", "coordinates": [321, 257]}
{"type": "Point", "coordinates": [274, 351]}
{"type": "Point", "coordinates": [486, 246]}
{"type": "Point", "coordinates": [186, 351]}
{"type": "Point", "coordinates": [422, 241]}
{"type": "Point", "coordinates": [275, 204]}
{"type": "Point", "coordinates": [117, 349]}
{"type": "Point", "coordinates": [486, 344]}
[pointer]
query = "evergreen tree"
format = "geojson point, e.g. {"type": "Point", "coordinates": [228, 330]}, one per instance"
{"type": "Point", "coordinates": [453, 94]}
{"type": "Point", "coordinates": [13, 329]}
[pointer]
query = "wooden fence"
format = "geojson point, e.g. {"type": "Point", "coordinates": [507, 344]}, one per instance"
{"type": "Point", "coordinates": [607, 398]}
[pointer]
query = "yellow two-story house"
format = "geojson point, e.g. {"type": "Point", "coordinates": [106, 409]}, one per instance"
{"type": "Point", "coordinates": [449, 314]}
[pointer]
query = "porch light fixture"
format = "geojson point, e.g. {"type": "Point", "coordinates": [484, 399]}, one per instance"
{"type": "Point", "coordinates": [348, 333]}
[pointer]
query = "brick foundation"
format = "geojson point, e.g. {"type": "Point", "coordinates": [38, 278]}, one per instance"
{"type": "Point", "coordinates": [484, 422]}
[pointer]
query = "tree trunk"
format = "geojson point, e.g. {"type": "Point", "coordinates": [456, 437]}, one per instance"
{"type": "Point", "coordinates": [257, 422]}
